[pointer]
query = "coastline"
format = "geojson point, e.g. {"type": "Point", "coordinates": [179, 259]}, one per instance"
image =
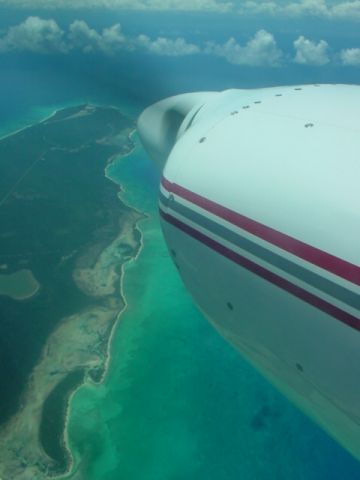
{"type": "Point", "coordinates": [88, 381]}
{"type": "Point", "coordinates": [54, 109]}
{"type": "Point", "coordinates": [134, 219]}
{"type": "Point", "coordinates": [22, 129]}
{"type": "Point", "coordinates": [29, 125]}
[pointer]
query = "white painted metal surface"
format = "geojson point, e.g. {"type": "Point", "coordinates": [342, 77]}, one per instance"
{"type": "Point", "coordinates": [260, 209]}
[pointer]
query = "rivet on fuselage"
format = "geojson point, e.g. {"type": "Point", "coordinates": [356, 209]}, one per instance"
{"type": "Point", "coordinates": [202, 139]}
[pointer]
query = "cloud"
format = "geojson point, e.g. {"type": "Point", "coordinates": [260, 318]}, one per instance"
{"type": "Point", "coordinates": [256, 8]}
{"type": "Point", "coordinates": [303, 8]}
{"type": "Point", "coordinates": [34, 35]}
{"type": "Point", "coordinates": [188, 5]}
{"type": "Point", "coordinates": [311, 53]}
{"type": "Point", "coordinates": [261, 50]}
{"type": "Point", "coordinates": [346, 10]}
{"type": "Point", "coordinates": [166, 46]}
{"type": "Point", "coordinates": [333, 9]}
{"type": "Point", "coordinates": [45, 36]}
{"type": "Point", "coordinates": [307, 7]}
{"type": "Point", "coordinates": [111, 40]}
{"type": "Point", "coordinates": [159, 5]}
{"type": "Point", "coordinates": [350, 57]}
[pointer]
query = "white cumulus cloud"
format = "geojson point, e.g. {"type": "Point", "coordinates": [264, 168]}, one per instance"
{"type": "Point", "coordinates": [166, 46]}
{"type": "Point", "coordinates": [261, 50]}
{"type": "Point", "coordinates": [109, 41]}
{"type": "Point", "coordinates": [311, 53]}
{"type": "Point", "coordinates": [256, 8]}
{"type": "Point", "coordinates": [303, 8]}
{"type": "Point", "coordinates": [112, 39]}
{"type": "Point", "coordinates": [346, 10]}
{"type": "Point", "coordinates": [35, 35]}
{"type": "Point", "coordinates": [334, 9]}
{"type": "Point", "coordinates": [45, 36]}
{"type": "Point", "coordinates": [188, 5]}
{"type": "Point", "coordinates": [350, 56]}
{"type": "Point", "coordinates": [159, 5]}
{"type": "Point", "coordinates": [307, 7]}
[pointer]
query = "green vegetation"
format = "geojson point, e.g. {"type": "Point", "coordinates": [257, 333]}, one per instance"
{"type": "Point", "coordinates": [58, 212]}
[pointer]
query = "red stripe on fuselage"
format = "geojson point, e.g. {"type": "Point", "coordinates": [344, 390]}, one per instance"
{"type": "Point", "coordinates": [331, 263]}
{"type": "Point", "coordinates": [262, 272]}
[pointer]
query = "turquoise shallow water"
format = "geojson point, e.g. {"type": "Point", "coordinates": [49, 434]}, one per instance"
{"type": "Point", "coordinates": [178, 401]}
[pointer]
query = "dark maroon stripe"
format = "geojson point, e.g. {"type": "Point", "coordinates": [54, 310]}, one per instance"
{"type": "Point", "coordinates": [311, 254]}
{"type": "Point", "coordinates": [271, 277]}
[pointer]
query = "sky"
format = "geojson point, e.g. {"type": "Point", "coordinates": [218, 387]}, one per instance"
{"type": "Point", "coordinates": [152, 49]}
{"type": "Point", "coordinates": [42, 31]}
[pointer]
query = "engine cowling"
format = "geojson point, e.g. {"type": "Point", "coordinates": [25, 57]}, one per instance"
{"type": "Point", "coordinates": [259, 206]}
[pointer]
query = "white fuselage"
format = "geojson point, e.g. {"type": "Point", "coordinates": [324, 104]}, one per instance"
{"type": "Point", "coordinates": [260, 210]}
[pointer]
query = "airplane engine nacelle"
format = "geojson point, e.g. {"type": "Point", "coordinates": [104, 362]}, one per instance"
{"type": "Point", "coordinates": [260, 208]}
{"type": "Point", "coordinates": [162, 124]}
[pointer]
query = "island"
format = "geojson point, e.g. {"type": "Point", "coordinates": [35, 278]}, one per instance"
{"type": "Point", "coordinates": [19, 285]}
{"type": "Point", "coordinates": [64, 240]}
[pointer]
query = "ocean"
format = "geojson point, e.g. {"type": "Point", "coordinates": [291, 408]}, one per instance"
{"type": "Point", "coordinates": [178, 401]}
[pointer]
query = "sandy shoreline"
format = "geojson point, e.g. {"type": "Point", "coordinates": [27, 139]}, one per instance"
{"type": "Point", "coordinates": [15, 132]}
{"type": "Point", "coordinates": [43, 120]}
{"type": "Point", "coordinates": [116, 323]}
{"type": "Point", "coordinates": [87, 381]}
{"type": "Point", "coordinates": [106, 365]}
